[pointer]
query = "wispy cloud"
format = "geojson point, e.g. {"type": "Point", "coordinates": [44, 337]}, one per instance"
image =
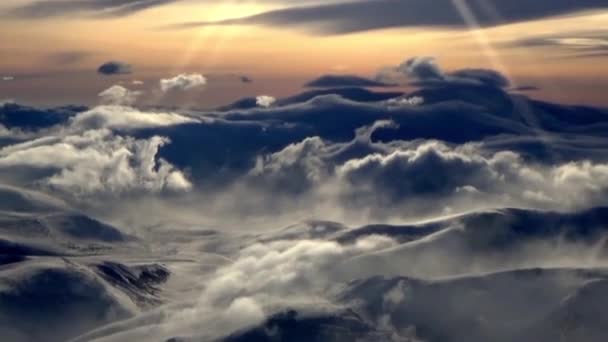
{"type": "Point", "coordinates": [570, 45]}
{"type": "Point", "coordinates": [109, 8]}
{"type": "Point", "coordinates": [356, 16]}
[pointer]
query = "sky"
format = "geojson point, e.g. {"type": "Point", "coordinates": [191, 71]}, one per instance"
{"type": "Point", "coordinates": [303, 170]}
{"type": "Point", "coordinates": [52, 49]}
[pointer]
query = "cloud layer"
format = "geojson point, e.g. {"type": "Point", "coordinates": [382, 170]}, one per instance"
{"type": "Point", "coordinates": [431, 215]}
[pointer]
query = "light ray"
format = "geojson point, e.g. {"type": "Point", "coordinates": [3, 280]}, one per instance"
{"type": "Point", "coordinates": [493, 56]}
{"type": "Point", "coordinates": [213, 38]}
{"type": "Point", "coordinates": [478, 34]}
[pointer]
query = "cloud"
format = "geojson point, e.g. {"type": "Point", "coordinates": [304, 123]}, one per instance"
{"type": "Point", "coordinates": [85, 157]}
{"type": "Point", "coordinates": [103, 8]}
{"type": "Point", "coordinates": [295, 168]}
{"type": "Point", "coordinates": [98, 162]}
{"type": "Point", "coordinates": [375, 173]}
{"type": "Point", "coordinates": [335, 81]}
{"type": "Point", "coordinates": [182, 82]}
{"type": "Point", "coordinates": [429, 169]}
{"type": "Point", "coordinates": [406, 101]}
{"type": "Point", "coordinates": [350, 155]}
{"type": "Point", "coordinates": [425, 72]}
{"type": "Point", "coordinates": [265, 101]}
{"type": "Point", "coordinates": [285, 267]}
{"type": "Point", "coordinates": [25, 118]}
{"type": "Point", "coordinates": [460, 144]}
{"type": "Point", "coordinates": [114, 68]}
{"type": "Point", "coordinates": [124, 118]}
{"type": "Point", "coordinates": [300, 147]}
{"type": "Point", "coordinates": [381, 177]}
{"type": "Point", "coordinates": [354, 16]}
{"type": "Point", "coordinates": [421, 68]}
{"type": "Point", "coordinates": [246, 79]}
{"type": "Point", "coordinates": [119, 95]}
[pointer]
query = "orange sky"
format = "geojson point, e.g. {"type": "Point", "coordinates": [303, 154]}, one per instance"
{"type": "Point", "coordinates": [279, 60]}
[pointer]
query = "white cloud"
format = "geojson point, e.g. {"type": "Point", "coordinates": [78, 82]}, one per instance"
{"type": "Point", "coordinates": [99, 162]}
{"type": "Point", "coordinates": [423, 175]}
{"type": "Point", "coordinates": [299, 164]}
{"type": "Point", "coordinates": [87, 157]}
{"type": "Point", "coordinates": [429, 169]}
{"type": "Point", "coordinates": [406, 101]}
{"type": "Point", "coordinates": [118, 117]}
{"type": "Point", "coordinates": [119, 95]}
{"type": "Point", "coordinates": [265, 101]}
{"type": "Point", "coordinates": [182, 82]}
{"type": "Point", "coordinates": [421, 68]}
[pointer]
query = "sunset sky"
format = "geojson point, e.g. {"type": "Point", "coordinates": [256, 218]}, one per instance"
{"type": "Point", "coordinates": [303, 170]}
{"type": "Point", "coordinates": [50, 54]}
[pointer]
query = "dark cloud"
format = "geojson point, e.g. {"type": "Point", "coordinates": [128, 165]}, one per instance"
{"type": "Point", "coordinates": [182, 82]}
{"type": "Point", "coordinates": [246, 79]}
{"type": "Point", "coordinates": [456, 112]}
{"type": "Point", "coordinates": [486, 77]}
{"type": "Point", "coordinates": [13, 115]}
{"type": "Point", "coordinates": [428, 170]}
{"type": "Point", "coordinates": [354, 16]}
{"type": "Point", "coordinates": [345, 81]}
{"type": "Point", "coordinates": [114, 68]}
{"type": "Point", "coordinates": [314, 126]}
{"type": "Point", "coordinates": [354, 94]}
{"type": "Point", "coordinates": [421, 68]}
{"type": "Point", "coordinates": [425, 72]}
{"type": "Point", "coordinates": [106, 8]}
